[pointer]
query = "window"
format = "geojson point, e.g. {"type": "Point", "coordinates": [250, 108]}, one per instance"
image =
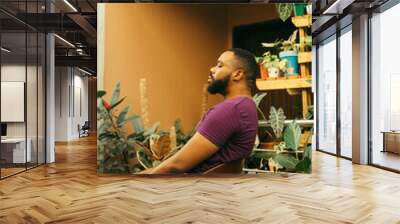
{"type": "Point", "coordinates": [327, 95]}
{"type": "Point", "coordinates": [385, 84]}
{"type": "Point", "coordinates": [346, 92]}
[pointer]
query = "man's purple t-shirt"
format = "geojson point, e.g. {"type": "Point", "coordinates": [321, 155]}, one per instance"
{"type": "Point", "coordinates": [232, 126]}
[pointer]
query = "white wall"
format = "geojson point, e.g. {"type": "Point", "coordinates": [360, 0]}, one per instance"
{"type": "Point", "coordinates": [71, 94]}
{"type": "Point", "coordinates": [16, 73]}
{"type": "Point", "coordinates": [33, 127]}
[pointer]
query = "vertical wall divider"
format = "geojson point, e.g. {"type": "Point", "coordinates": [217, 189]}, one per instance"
{"type": "Point", "coordinates": [369, 91]}
{"type": "Point", "coordinates": [338, 99]}
{"type": "Point", "coordinates": [37, 90]}
{"type": "Point", "coordinates": [26, 86]}
{"type": "Point", "coordinates": [316, 106]}
{"type": "Point", "coordinates": [1, 166]}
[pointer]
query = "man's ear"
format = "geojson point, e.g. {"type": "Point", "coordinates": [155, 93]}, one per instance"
{"type": "Point", "coordinates": [238, 75]}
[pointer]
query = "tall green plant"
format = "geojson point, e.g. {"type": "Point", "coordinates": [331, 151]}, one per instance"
{"type": "Point", "coordinates": [116, 152]}
{"type": "Point", "coordinates": [123, 152]}
{"type": "Point", "coordinates": [283, 157]}
{"type": "Point", "coordinates": [287, 160]}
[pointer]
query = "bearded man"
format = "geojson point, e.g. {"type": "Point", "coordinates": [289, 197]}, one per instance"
{"type": "Point", "coordinates": [228, 130]}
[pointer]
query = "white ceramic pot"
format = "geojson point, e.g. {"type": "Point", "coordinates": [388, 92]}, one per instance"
{"type": "Point", "coordinates": [273, 72]}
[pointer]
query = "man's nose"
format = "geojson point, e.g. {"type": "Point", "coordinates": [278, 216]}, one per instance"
{"type": "Point", "coordinates": [212, 69]}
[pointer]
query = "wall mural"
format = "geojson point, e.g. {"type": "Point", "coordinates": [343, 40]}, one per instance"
{"type": "Point", "coordinates": [130, 143]}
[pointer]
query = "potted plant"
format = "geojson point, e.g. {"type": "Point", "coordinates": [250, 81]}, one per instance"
{"type": "Point", "coordinates": [286, 155]}
{"type": "Point", "coordinates": [299, 9]}
{"type": "Point", "coordinates": [274, 65]}
{"type": "Point", "coordinates": [289, 51]}
{"type": "Point", "coordinates": [263, 68]}
{"type": "Point", "coordinates": [271, 62]}
{"type": "Point", "coordinates": [123, 152]}
{"type": "Point", "coordinates": [116, 151]}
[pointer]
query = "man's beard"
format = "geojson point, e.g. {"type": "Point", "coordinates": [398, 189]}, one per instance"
{"type": "Point", "coordinates": [219, 86]}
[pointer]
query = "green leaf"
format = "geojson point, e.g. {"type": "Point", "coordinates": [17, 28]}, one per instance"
{"type": "Point", "coordinates": [152, 130]}
{"type": "Point", "coordinates": [268, 45]}
{"type": "Point", "coordinates": [156, 163]}
{"type": "Point", "coordinates": [137, 124]}
{"type": "Point", "coordinates": [304, 166]}
{"type": "Point", "coordinates": [307, 152]}
{"type": "Point", "coordinates": [284, 10]}
{"type": "Point", "coordinates": [277, 121]}
{"type": "Point", "coordinates": [178, 125]}
{"type": "Point", "coordinates": [286, 161]}
{"type": "Point", "coordinates": [292, 135]}
{"type": "Point", "coordinates": [135, 136]}
{"type": "Point", "coordinates": [293, 37]}
{"type": "Point", "coordinates": [101, 93]}
{"type": "Point", "coordinates": [117, 103]}
{"type": "Point", "coordinates": [258, 97]}
{"type": "Point", "coordinates": [131, 118]}
{"type": "Point", "coordinates": [143, 159]}
{"type": "Point", "coordinates": [263, 155]}
{"type": "Point", "coordinates": [121, 117]}
{"type": "Point", "coordinates": [103, 127]}
{"type": "Point", "coordinates": [107, 135]}
{"type": "Point", "coordinates": [116, 93]}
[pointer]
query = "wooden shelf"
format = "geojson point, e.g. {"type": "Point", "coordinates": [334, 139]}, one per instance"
{"type": "Point", "coordinates": [277, 84]}
{"type": "Point", "coordinates": [303, 123]}
{"type": "Point", "coordinates": [271, 150]}
{"type": "Point", "coordinates": [257, 170]}
{"type": "Point", "coordinates": [304, 57]}
{"type": "Point", "coordinates": [302, 21]}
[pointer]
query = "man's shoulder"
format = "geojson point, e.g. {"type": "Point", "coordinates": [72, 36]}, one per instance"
{"type": "Point", "coordinates": [236, 104]}
{"type": "Point", "coordinates": [238, 101]}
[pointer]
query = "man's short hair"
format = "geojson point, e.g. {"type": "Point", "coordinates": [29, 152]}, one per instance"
{"type": "Point", "coordinates": [249, 63]}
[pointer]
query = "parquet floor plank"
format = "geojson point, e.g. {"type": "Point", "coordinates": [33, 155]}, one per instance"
{"type": "Point", "coordinates": [70, 191]}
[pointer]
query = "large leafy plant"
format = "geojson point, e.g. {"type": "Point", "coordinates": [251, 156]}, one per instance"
{"type": "Point", "coordinates": [276, 117]}
{"type": "Point", "coordinates": [286, 155]}
{"type": "Point", "coordinates": [122, 152]}
{"type": "Point", "coordinates": [160, 145]}
{"type": "Point", "coordinates": [116, 151]}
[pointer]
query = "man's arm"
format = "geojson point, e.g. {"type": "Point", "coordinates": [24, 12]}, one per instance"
{"type": "Point", "coordinates": [195, 151]}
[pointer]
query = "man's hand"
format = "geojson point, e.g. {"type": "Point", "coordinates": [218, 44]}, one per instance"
{"type": "Point", "coordinates": [146, 171]}
{"type": "Point", "coordinates": [196, 150]}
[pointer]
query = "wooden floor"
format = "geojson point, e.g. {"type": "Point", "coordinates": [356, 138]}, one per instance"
{"type": "Point", "coordinates": [387, 159]}
{"type": "Point", "coordinates": [70, 191]}
{"type": "Point", "coordinates": [10, 171]}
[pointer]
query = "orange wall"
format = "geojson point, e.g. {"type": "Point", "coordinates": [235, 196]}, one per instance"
{"type": "Point", "coordinates": [173, 46]}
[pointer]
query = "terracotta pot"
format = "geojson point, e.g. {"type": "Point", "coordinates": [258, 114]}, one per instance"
{"type": "Point", "coordinates": [264, 72]}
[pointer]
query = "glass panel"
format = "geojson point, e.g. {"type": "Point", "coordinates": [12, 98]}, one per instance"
{"type": "Point", "coordinates": [31, 97]}
{"type": "Point", "coordinates": [327, 96]}
{"type": "Point", "coordinates": [41, 98]}
{"type": "Point", "coordinates": [22, 88]}
{"type": "Point", "coordinates": [13, 86]}
{"type": "Point", "coordinates": [346, 94]}
{"type": "Point", "coordinates": [385, 84]}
